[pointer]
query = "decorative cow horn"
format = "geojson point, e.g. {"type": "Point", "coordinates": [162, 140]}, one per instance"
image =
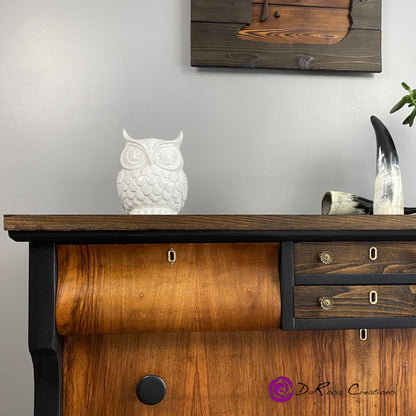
{"type": "Point", "coordinates": [388, 190]}
{"type": "Point", "coordinates": [344, 203]}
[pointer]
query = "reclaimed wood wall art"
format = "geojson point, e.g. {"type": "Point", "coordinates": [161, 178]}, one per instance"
{"type": "Point", "coordinates": [341, 35]}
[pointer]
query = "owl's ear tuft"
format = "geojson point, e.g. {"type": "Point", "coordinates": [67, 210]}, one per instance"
{"type": "Point", "coordinates": [178, 141]}
{"type": "Point", "coordinates": [126, 135]}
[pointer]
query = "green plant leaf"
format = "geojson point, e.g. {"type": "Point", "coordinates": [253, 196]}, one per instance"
{"type": "Point", "coordinates": [410, 101]}
{"type": "Point", "coordinates": [410, 118]}
{"type": "Point", "coordinates": [401, 103]}
{"type": "Point", "coordinates": [406, 87]}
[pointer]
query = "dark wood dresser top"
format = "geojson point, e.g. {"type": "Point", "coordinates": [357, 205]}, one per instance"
{"type": "Point", "coordinates": [31, 223]}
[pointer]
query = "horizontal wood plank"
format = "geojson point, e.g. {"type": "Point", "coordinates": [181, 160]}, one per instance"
{"type": "Point", "coordinates": [217, 45]}
{"type": "Point", "coordinates": [227, 11]}
{"type": "Point", "coordinates": [310, 3]}
{"type": "Point", "coordinates": [308, 25]}
{"type": "Point", "coordinates": [353, 301]}
{"type": "Point", "coordinates": [68, 223]}
{"type": "Point", "coordinates": [354, 257]}
{"type": "Point", "coordinates": [229, 373]}
{"type": "Point", "coordinates": [240, 11]}
{"type": "Point", "coordinates": [364, 14]}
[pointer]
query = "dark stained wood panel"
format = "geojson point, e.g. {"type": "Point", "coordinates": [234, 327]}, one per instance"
{"type": "Point", "coordinates": [228, 373]}
{"type": "Point", "coordinates": [217, 41]}
{"type": "Point", "coordinates": [70, 223]}
{"type": "Point", "coordinates": [307, 25]}
{"type": "Point", "coordinates": [354, 257]}
{"type": "Point", "coordinates": [353, 301]}
{"type": "Point", "coordinates": [130, 288]}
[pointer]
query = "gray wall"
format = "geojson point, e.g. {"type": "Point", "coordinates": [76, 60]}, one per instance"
{"type": "Point", "coordinates": [73, 74]}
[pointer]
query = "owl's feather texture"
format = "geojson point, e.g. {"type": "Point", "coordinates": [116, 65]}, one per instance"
{"type": "Point", "coordinates": [142, 188]}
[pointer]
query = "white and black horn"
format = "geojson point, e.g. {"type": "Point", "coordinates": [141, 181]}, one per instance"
{"type": "Point", "coordinates": [388, 190]}
{"type": "Point", "coordinates": [344, 203]}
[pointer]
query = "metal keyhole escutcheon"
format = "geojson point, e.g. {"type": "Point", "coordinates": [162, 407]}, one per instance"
{"type": "Point", "coordinates": [172, 256]}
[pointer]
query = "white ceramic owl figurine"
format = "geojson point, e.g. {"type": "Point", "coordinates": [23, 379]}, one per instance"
{"type": "Point", "coordinates": [152, 180]}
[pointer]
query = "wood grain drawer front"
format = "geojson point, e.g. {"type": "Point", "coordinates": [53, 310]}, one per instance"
{"type": "Point", "coordinates": [355, 257]}
{"type": "Point", "coordinates": [355, 301]}
{"type": "Point", "coordinates": [134, 288]}
{"type": "Point", "coordinates": [228, 373]}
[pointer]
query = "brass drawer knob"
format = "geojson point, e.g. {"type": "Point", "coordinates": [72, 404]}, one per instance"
{"type": "Point", "coordinates": [326, 257]}
{"type": "Point", "coordinates": [326, 303]}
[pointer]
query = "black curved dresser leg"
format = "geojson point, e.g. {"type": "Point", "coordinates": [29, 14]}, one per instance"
{"type": "Point", "coordinates": [45, 344]}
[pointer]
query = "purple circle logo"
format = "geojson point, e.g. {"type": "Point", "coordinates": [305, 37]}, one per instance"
{"type": "Point", "coordinates": [281, 389]}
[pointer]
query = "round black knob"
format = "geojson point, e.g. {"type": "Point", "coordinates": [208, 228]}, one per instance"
{"type": "Point", "coordinates": [151, 389]}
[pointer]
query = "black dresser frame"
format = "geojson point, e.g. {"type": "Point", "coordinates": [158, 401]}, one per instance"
{"type": "Point", "coordinates": [45, 344]}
